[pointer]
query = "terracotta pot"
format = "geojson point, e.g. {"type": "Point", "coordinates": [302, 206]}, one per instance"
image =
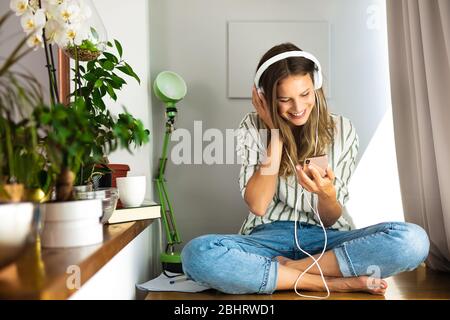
{"type": "Point", "coordinates": [118, 170]}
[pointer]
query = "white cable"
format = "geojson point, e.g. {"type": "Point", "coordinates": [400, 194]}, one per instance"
{"type": "Point", "coordinates": [317, 126]}
{"type": "Point", "coordinates": [316, 262]}
{"type": "Point", "coordinates": [316, 212]}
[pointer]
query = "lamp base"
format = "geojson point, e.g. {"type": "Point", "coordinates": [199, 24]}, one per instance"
{"type": "Point", "coordinates": [171, 262]}
{"type": "Point", "coordinates": [173, 267]}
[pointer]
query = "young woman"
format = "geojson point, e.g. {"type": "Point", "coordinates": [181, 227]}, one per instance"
{"type": "Point", "coordinates": [264, 257]}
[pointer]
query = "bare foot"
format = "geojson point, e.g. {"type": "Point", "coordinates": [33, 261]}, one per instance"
{"type": "Point", "coordinates": [351, 284]}
{"type": "Point", "coordinates": [357, 284]}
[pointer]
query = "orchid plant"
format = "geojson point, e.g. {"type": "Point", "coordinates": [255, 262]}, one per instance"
{"type": "Point", "coordinates": [72, 25]}
{"type": "Point", "coordinates": [64, 22]}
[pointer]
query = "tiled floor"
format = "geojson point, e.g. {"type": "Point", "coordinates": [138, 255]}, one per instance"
{"type": "Point", "coordinates": [422, 283]}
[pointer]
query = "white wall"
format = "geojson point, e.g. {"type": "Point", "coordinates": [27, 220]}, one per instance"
{"type": "Point", "coordinates": [129, 24]}
{"type": "Point", "coordinates": [190, 38]}
{"type": "Point", "coordinates": [117, 279]}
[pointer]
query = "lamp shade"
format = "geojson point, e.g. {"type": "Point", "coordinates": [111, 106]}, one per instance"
{"type": "Point", "coordinates": [169, 87]}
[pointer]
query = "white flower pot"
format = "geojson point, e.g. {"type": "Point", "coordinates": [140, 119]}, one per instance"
{"type": "Point", "coordinates": [16, 223]}
{"type": "Point", "coordinates": [71, 223]}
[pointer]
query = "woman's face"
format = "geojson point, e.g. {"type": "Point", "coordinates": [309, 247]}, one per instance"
{"type": "Point", "coordinates": [295, 98]}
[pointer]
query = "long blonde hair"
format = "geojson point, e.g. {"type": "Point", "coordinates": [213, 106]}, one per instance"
{"type": "Point", "coordinates": [299, 141]}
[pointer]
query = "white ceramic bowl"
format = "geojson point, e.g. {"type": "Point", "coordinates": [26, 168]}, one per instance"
{"type": "Point", "coordinates": [109, 197]}
{"type": "Point", "coordinates": [131, 190]}
{"type": "Point", "coordinates": [16, 224]}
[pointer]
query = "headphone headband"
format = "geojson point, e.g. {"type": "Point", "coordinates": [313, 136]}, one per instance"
{"type": "Point", "coordinates": [289, 54]}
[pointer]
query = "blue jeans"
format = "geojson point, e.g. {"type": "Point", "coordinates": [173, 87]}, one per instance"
{"type": "Point", "coordinates": [240, 264]}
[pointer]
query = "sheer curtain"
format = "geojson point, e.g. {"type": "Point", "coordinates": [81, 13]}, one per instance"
{"type": "Point", "coordinates": [419, 59]}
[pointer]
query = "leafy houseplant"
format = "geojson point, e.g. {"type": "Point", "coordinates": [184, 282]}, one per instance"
{"type": "Point", "coordinates": [21, 156]}
{"type": "Point", "coordinates": [70, 137]}
{"type": "Point", "coordinates": [99, 78]}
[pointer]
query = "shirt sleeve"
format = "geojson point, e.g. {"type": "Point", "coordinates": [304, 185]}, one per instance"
{"type": "Point", "coordinates": [250, 150]}
{"type": "Point", "coordinates": [347, 161]}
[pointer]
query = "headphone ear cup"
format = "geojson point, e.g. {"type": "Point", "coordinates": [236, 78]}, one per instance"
{"type": "Point", "coordinates": [317, 80]}
{"type": "Point", "coordinates": [260, 92]}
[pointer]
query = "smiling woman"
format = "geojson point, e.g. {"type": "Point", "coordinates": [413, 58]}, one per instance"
{"type": "Point", "coordinates": [267, 250]}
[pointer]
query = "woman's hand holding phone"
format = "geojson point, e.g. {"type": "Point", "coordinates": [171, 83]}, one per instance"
{"type": "Point", "coordinates": [311, 179]}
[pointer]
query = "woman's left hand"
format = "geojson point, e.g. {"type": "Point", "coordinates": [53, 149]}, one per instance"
{"type": "Point", "coordinates": [322, 186]}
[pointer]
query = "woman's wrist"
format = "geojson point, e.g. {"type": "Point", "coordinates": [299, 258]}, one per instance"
{"type": "Point", "coordinates": [330, 210]}
{"type": "Point", "coordinates": [271, 165]}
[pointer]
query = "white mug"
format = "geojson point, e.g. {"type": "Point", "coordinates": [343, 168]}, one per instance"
{"type": "Point", "coordinates": [131, 190]}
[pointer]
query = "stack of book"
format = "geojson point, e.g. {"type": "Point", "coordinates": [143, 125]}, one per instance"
{"type": "Point", "coordinates": [148, 210]}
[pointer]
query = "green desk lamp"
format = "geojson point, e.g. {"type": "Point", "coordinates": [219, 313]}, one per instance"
{"type": "Point", "coordinates": [170, 88]}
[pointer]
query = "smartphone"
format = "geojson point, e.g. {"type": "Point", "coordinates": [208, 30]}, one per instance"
{"type": "Point", "coordinates": [321, 163]}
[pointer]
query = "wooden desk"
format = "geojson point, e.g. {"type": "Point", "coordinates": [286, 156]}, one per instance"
{"type": "Point", "coordinates": [51, 273]}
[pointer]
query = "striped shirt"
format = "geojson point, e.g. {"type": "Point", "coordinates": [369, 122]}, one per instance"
{"type": "Point", "coordinates": [341, 158]}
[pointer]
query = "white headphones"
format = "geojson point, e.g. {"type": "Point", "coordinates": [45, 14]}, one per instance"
{"type": "Point", "coordinates": [288, 54]}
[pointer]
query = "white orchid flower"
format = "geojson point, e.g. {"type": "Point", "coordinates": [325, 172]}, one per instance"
{"type": "Point", "coordinates": [35, 40]}
{"type": "Point", "coordinates": [51, 10]}
{"type": "Point", "coordinates": [19, 6]}
{"type": "Point", "coordinates": [73, 34]}
{"type": "Point", "coordinates": [68, 12]}
{"type": "Point", "coordinates": [52, 30]}
{"type": "Point", "coordinates": [31, 22]}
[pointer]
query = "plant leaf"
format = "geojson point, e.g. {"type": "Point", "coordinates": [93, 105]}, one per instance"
{"type": "Point", "coordinates": [119, 47]}
{"type": "Point", "coordinates": [111, 92]}
{"type": "Point", "coordinates": [94, 33]}
{"type": "Point", "coordinates": [98, 83]}
{"type": "Point", "coordinates": [108, 65]}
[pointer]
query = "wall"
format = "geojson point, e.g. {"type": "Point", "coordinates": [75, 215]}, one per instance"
{"type": "Point", "coordinates": [190, 38]}
{"type": "Point", "coordinates": [117, 279]}
{"type": "Point", "coordinates": [130, 25]}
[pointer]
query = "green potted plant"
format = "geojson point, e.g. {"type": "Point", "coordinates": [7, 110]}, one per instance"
{"type": "Point", "coordinates": [78, 136]}
{"type": "Point", "coordinates": [20, 157]}
{"type": "Point", "coordinates": [102, 77]}
{"type": "Point", "coordinates": [70, 134]}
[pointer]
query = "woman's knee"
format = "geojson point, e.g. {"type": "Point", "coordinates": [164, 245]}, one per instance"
{"type": "Point", "coordinates": [414, 244]}
{"type": "Point", "coordinates": [194, 255]}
